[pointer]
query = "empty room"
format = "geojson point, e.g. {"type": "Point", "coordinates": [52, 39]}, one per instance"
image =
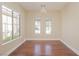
{"type": "Point", "coordinates": [39, 28]}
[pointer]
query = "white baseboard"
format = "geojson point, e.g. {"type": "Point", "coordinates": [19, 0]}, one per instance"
{"type": "Point", "coordinates": [43, 39]}
{"type": "Point", "coordinates": [73, 49]}
{"type": "Point", "coordinates": [6, 54]}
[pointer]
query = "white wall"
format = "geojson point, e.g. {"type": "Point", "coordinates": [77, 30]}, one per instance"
{"type": "Point", "coordinates": [56, 25]}
{"type": "Point", "coordinates": [6, 48]}
{"type": "Point", "coordinates": [70, 25]}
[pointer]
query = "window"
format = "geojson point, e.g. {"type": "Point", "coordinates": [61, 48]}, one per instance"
{"type": "Point", "coordinates": [16, 28]}
{"type": "Point", "coordinates": [37, 25]}
{"type": "Point", "coordinates": [7, 23]}
{"type": "Point", "coordinates": [48, 26]}
{"type": "Point", "coordinates": [10, 24]}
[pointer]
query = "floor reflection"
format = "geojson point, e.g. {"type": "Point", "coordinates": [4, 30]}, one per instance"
{"type": "Point", "coordinates": [43, 48]}
{"type": "Point", "coordinates": [48, 49]}
{"type": "Point", "coordinates": [37, 50]}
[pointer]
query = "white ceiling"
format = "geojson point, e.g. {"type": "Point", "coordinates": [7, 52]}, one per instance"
{"type": "Point", "coordinates": [50, 6]}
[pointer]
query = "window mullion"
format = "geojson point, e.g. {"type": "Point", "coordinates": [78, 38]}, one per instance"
{"type": "Point", "coordinates": [19, 26]}
{"type": "Point", "coordinates": [12, 26]}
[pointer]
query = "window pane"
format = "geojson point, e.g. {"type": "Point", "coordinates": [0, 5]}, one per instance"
{"type": "Point", "coordinates": [6, 11]}
{"type": "Point", "coordinates": [4, 17]}
{"type": "Point", "coordinates": [15, 25]}
{"type": "Point", "coordinates": [9, 20]}
{"type": "Point", "coordinates": [48, 26]}
{"type": "Point", "coordinates": [37, 27]}
{"type": "Point", "coordinates": [7, 28]}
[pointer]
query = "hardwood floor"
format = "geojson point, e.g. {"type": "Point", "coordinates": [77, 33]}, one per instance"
{"type": "Point", "coordinates": [43, 48]}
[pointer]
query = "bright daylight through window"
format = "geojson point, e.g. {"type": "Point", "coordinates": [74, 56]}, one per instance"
{"type": "Point", "coordinates": [10, 24]}
{"type": "Point", "coordinates": [37, 25]}
{"type": "Point", "coordinates": [48, 26]}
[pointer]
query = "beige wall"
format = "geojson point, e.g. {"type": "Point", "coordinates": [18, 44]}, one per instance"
{"type": "Point", "coordinates": [70, 25]}
{"type": "Point", "coordinates": [6, 48]}
{"type": "Point", "coordinates": [56, 25]}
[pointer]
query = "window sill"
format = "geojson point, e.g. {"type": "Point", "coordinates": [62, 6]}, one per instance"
{"type": "Point", "coordinates": [3, 43]}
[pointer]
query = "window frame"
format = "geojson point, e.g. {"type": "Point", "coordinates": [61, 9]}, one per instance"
{"type": "Point", "coordinates": [37, 19]}
{"type": "Point", "coordinates": [11, 23]}
{"type": "Point", "coordinates": [49, 25]}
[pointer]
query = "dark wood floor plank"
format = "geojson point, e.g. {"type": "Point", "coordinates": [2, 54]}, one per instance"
{"type": "Point", "coordinates": [43, 48]}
